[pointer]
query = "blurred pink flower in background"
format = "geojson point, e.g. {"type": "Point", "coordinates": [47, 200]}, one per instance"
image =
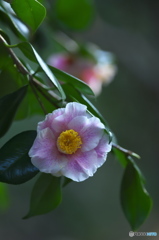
{"type": "Point", "coordinates": [94, 73]}
{"type": "Point", "coordinates": [71, 143]}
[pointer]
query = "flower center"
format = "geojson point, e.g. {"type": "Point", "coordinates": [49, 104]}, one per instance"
{"type": "Point", "coordinates": [69, 141]}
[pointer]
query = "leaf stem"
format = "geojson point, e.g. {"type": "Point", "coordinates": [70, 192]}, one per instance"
{"type": "Point", "coordinates": [127, 152]}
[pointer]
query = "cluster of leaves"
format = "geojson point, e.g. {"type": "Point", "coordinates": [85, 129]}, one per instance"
{"type": "Point", "coordinates": [29, 86]}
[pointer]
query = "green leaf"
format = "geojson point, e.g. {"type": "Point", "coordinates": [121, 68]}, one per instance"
{"type": "Point", "coordinates": [8, 107]}
{"type": "Point", "coordinates": [46, 195]}
{"type": "Point", "coordinates": [67, 78]}
{"type": "Point", "coordinates": [121, 156]}
{"type": "Point", "coordinates": [30, 12]}
{"type": "Point", "coordinates": [15, 164]}
{"type": "Point", "coordinates": [32, 55]}
{"type": "Point", "coordinates": [18, 28]}
{"type": "Point", "coordinates": [135, 200]}
{"type": "Point", "coordinates": [74, 14]}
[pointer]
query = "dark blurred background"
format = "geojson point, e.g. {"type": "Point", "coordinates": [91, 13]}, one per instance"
{"type": "Point", "coordinates": [91, 210]}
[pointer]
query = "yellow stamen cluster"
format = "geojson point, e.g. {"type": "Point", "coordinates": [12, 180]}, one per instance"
{"type": "Point", "coordinates": [69, 141]}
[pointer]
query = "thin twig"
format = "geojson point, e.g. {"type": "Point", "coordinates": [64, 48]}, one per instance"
{"type": "Point", "coordinates": [19, 65]}
{"type": "Point", "coordinates": [127, 152]}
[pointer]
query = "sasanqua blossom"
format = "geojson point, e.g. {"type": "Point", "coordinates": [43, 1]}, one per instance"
{"type": "Point", "coordinates": [71, 143]}
{"type": "Point", "coordinates": [95, 74]}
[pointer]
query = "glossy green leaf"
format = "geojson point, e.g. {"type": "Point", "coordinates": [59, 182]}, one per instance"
{"type": "Point", "coordinates": [4, 197]}
{"type": "Point", "coordinates": [135, 200]}
{"type": "Point", "coordinates": [46, 195]}
{"type": "Point", "coordinates": [8, 107]}
{"type": "Point", "coordinates": [17, 27]}
{"type": "Point", "coordinates": [30, 12]}
{"type": "Point", "coordinates": [15, 164]}
{"type": "Point", "coordinates": [74, 14]}
{"type": "Point", "coordinates": [32, 55]}
{"type": "Point", "coordinates": [67, 78]}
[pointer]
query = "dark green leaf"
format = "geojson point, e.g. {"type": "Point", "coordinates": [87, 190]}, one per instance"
{"type": "Point", "coordinates": [135, 200]}
{"type": "Point", "coordinates": [77, 83]}
{"type": "Point", "coordinates": [30, 12]}
{"type": "Point", "coordinates": [8, 107]}
{"type": "Point", "coordinates": [15, 164]}
{"type": "Point", "coordinates": [74, 14]}
{"type": "Point", "coordinates": [46, 195]}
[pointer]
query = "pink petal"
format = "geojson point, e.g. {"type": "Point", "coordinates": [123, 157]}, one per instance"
{"type": "Point", "coordinates": [91, 134]}
{"type": "Point", "coordinates": [81, 166]}
{"type": "Point", "coordinates": [44, 153]}
{"type": "Point", "coordinates": [102, 149]}
{"type": "Point", "coordinates": [72, 110]}
{"type": "Point", "coordinates": [50, 118]}
{"type": "Point", "coordinates": [78, 123]}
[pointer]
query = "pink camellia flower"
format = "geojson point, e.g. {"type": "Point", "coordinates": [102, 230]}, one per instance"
{"type": "Point", "coordinates": [95, 74]}
{"type": "Point", "coordinates": [71, 143]}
